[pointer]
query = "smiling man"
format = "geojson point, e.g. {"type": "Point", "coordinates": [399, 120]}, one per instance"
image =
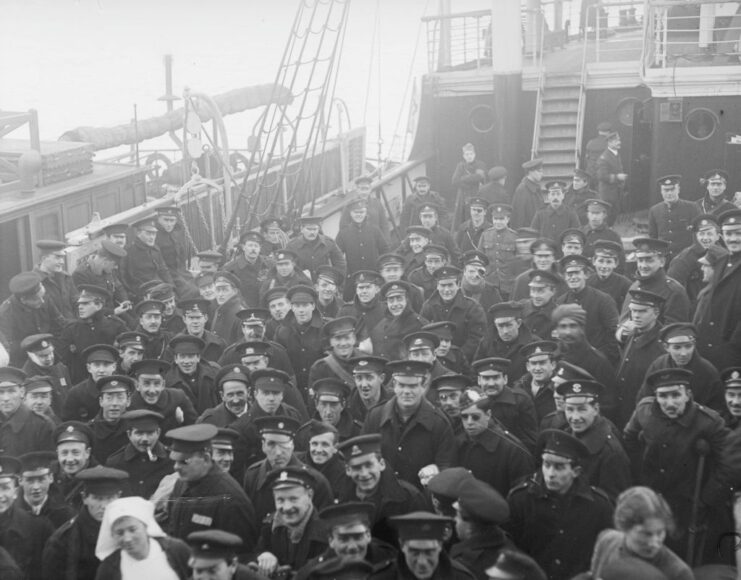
{"type": "Point", "coordinates": [232, 384]}
{"type": "Point", "coordinates": [661, 440]}
{"type": "Point", "coordinates": [192, 374]}
{"type": "Point", "coordinates": [330, 401]}
{"type": "Point", "coordinates": [151, 394]}
{"type": "Point", "coordinates": [319, 441]}
{"type": "Point", "coordinates": [570, 513]}
{"type": "Point", "coordinates": [35, 495]}
{"type": "Point", "coordinates": [369, 376]}
{"type": "Point", "coordinates": [74, 443]}
{"type": "Point", "coordinates": [144, 261]}
{"type": "Point", "coordinates": [536, 383]}
{"type": "Point", "coordinates": [21, 430]}
{"type": "Point", "coordinates": [249, 266]}
{"type": "Point", "coordinates": [399, 319]}
{"type": "Point", "coordinates": [340, 334]}
{"type": "Point", "coordinates": [109, 431]}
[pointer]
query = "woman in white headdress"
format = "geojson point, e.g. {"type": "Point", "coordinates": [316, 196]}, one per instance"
{"type": "Point", "coordinates": [132, 546]}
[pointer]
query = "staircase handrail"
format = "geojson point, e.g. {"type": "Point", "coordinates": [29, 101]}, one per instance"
{"type": "Point", "coordinates": [539, 49]}
{"type": "Point", "coordinates": [580, 112]}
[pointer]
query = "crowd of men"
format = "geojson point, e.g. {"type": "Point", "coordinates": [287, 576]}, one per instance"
{"type": "Point", "coordinates": [467, 403]}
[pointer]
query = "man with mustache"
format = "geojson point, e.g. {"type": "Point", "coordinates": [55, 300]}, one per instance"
{"type": "Point", "coordinates": [192, 374]}
{"type": "Point", "coordinates": [369, 377]}
{"type": "Point", "coordinates": [36, 495]}
{"type": "Point", "coordinates": [473, 282]}
{"type": "Point", "coordinates": [294, 534]}
{"type": "Point", "coordinates": [144, 457]}
{"type": "Point", "coordinates": [249, 266]}
{"type": "Point", "coordinates": [21, 430]}
{"type": "Point", "coordinates": [350, 537]}
{"type": "Point", "coordinates": [679, 341]}
{"type": "Point", "coordinates": [661, 440]}
{"type": "Point", "coordinates": [732, 383]}
{"type": "Point", "coordinates": [232, 384]}
{"type": "Point", "coordinates": [109, 430]}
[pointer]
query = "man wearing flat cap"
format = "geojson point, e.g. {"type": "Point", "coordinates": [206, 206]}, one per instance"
{"type": "Point", "coordinates": [667, 437]}
{"type": "Point", "coordinates": [151, 315]}
{"type": "Point", "coordinates": [100, 268]}
{"type": "Point", "coordinates": [70, 552]}
{"type": "Point", "coordinates": [371, 479]}
{"type": "Point", "coordinates": [717, 321]}
{"type": "Point", "coordinates": [474, 283]}
{"type": "Point", "coordinates": [250, 267]}
{"type": "Point", "coordinates": [680, 343]}
{"type": "Point", "coordinates": [422, 195]}
{"type": "Point", "coordinates": [204, 497]}
{"type": "Point", "coordinates": [429, 217]}
{"type": "Point", "coordinates": [490, 453]}
{"type": "Point", "coordinates": [480, 510]}
{"type": "Point", "coordinates": [611, 177]}
{"type": "Point", "coordinates": [366, 307]}
{"type": "Point", "coordinates": [143, 457]}
{"type": "Point", "coordinates": [330, 401]}
{"type": "Point", "coordinates": [449, 303]}
{"type": "Point", "coordinates": [669, 220]}
{"type": "Point", "coordinates": [422, 553]}
{"type": "Point", "coordinates": [191, 374]}
{"type": "Point", "coordinates": [639, 349]}
{"type": "Point", "coordinates": [528, 197]}
{"type": "Point", "coordinates": [92, 326]}
{"type": "Point", "coordinates": [314, 249]}
{"type": "Point", "coordinates": [684, 267]}
{"type": "Point", "coordinates": [538, 308]}
{"type": "Point", "coordinates": [173, 244]}
{"type": "Point", "coordinates": [73, 441]}
{"type": "Point", "coordinates": [606, 466]}
{"type": "Point", "coordinates": [555, 218]}
{"type": "Point", "coordinates": [651, 257]}
{"type": "Point", "coordinates": [537, 383]}
{"type": "Point", "coordinates": [26, 312]}
{"type": "Point", "coordinates": [606, 257]}
{"type": "Point", "coordinates": [569, 513]}
{"type": "Point", "coordinates": [214, 555]}
{"type": "Point", "coordinates": [144, 261]}
{"type": "Point", "coordinates": [435, 257]}
{"type": "Point", "coordinates": [60, 289]}
{"type": "Point", "coordinates": [319, 442]}
{"type": "Point", "coordinates": [81, 402]}
{"type": "Point", "coordinates": [152, 394]}
{"type": "Point", "coordinates": [35, 494]}
{"type": "Point", "coordinates": [506, 337]}
{"type": "Point", "coordinates": [714, 201]}
{"type": "Point", "coordinates": [596, 229]}
{"type": "Point", "coordinates": [21, 430]}
{"type": "Point", "coordinates": [350, 537]}
{"type": "Point", "coordinates": [416, 438]}
{"type": "Point", "coordinates": [340, 334]}
{"type": "Point", "coordinates": [543, 252]}
{"type": "Point", "coordinates": [596, 145]}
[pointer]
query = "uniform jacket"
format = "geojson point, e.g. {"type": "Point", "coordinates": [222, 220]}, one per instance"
{"type": "Point", "coordinates": [59, 376]}
{"type": "Point", "coordinates": [376, 216]}
{"type": "Point", "coordinates": [144, 474]}
{"type": "Point", "coordinates": [319, 252]}
{"type": "Point", "coordinates": [333, 470]}
{"type": "Point", "coordinates": [18, 321]}
{"type": "Point", "coordinates": [388, 334]}
{"type": "Point", "coordinates": [214, 348]}
{"type": "Point", "coordinates": [175, 550]}
{"type": "Point", "coordinates": [662, 451]}
{"type": "Point", "coordinates": [199, 387]}
{"type": "Point", "coordinates": [468, 236]}
{"type": "Point", "coordinates": [332, 366]}
{"type": "Point", "coordinates": [603, 232]}
{"type": "Point", "coordinates": [174, 248]}
{"type": "Point", "coordinates": [362, 245]}
{"type": "Point", "coordinates": [358, 409]}
{"type": "Point", "coordinates": [615, 285]}
{"type": "Point", "coordinates": [705, 384]}
{"type": "Point", "coordinates": [671, 223]}
{"type": "Point", "coordinates": [303, 343]}
{"type": "Point", "coordinates": [521, 288]}
{"type": "Point", "coordinates": [575, 199]}
{"type": "Point", "coordinates": [468, 177]}
{"type": "Point", "coordinates": [537, 319]}
{"type": "Point", "coordinates": [602, 319]}
{"type": "Point", "coordinates": [60, 291]}
{"type": "Point", "coordinates": [70, 552]}
{"type": "Point", "coordinates": [107, 437]}
{"type": "Point", "coordinates": [216, 501]}
{"type": "Point", "coordinates": [274, 281]}
{"type": "Point", "coordinates": [55, 510]}
{"type": "Point", "coordinates": [501, 249]}
{"type": "Point", "coordinates": [84, 274]}
{"type": "Point", "coordinates": [24, 536]}
{"type": "Point", "coordinates": [609, 165]}
{"type": "Point", "coordinates": [245, 426]}
{"type": "Point", "coordinates": [486, 295]}
{"type": "Point", "coordinates": [492, 345]}
{"type": "Point", "coordinates": [378, 554]}
{"type": "Point", "coordinates": [331, 309]}
{"type": "Point", "coordinates": [707, 205]}
{"type": "Point", "coordinates": [167, 405]}
{"type": "Point", "coordinates": [225, 323]}
{"type": "Point", "coordinates": [412, 205]}
{"type": "Point", "coordinates": [276, 540]}
{"type": "Point", "coordinates": [468, 316]}
{"type": "Point", "coordinates": [677, 305]}
{"type": "Point", "coordinates": [719, 321]}
{"type": "Point", "coordinates": [81, 403]}
{"type": "Point", "coordinates": [607, 466]}
{"type": "Point", "coordinates": [261, 494]}
{"type": "Point", "coordinates": [367, 316]}
{"type": "Point", "coordinates": [638, 354]}
{"type": "Point", "coordinates": [527, 200]}
{"type": "Point", "coordinates": [100, 328]}
{"type": "Point", "coordinates": [494, 192]}
{"type": "Point", "coordinates": [568, 525]}
{"type": "Point", "coordinates": [551, 223]}
{"type": "Point", "coordinates": [392, 497]}
{"type": "Point", "coordinates": [425, 438]}
{"type": "Point", "coordinates": [156, 344]}
{"type": "Point", "coordinates": [251, 276]}
{"type": "Point", "coordinates": [584, 355]}
{"type": "Point", "coordinates": [442, 237]}
{"type": "Point", "coordinates": [495, 458]}
{"type": "Point", "coordinates": [480, 553]}
{"type": "Point", "coordinates": [595, 147]}
{"type": "Point", "coordinates": [685, 270]}
{"type": "Point", "coordinates": [542, 401]}
{"type": "Point", "coordinates": [219, 416]}
{"type": "Point", "coordinates": [515, 411]}
{"type": "Point", "coordinates": [25, 431]}
{"type": "Point", "coordinates": [142, 264]}
{"type": "Point", "coordinates": [422, 278]}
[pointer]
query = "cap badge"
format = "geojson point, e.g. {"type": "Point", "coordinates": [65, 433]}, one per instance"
{"type": "Point", "coordinates": [355, 450]}
{"type": "Point", "coordinates": [236, 369]}
{"type": "Point", "coordinates": [283, 476]}
{"type": "Point", "coordinates": [205, 547]}
{"type": "Point", "coordinates": [538, 350]}
{"type": "Point", "coordinates": [561, 372]}
{"type": "Point", "coordinates": [362, 363]}
{"type": "Point", "coordinates": [281, 425]}
{"type": "Point", "coordinates": [44, 344]}
{"type": "Point", "coordinates": [114, 383]}
{"type": "Point", "coordinates": [735, 375]}
{"type": "Point", "coordinates": [70, 429]}
{"type": "Point", "coordinates": [576, 388]}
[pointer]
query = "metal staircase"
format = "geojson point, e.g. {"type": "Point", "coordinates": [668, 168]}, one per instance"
{"type": "Point", "coordinates": [558, 122]}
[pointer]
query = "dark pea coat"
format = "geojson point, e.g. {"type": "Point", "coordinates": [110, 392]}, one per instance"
{"type": "Point", "coordinates": [607, 466]}
{"type": "Point", "coordinates": [537, 319]}
{"type": "Point", "coordinates": [303, 343]}
{"type": "Point", "coordinates": [362, 245]}
{"type": "Point", "coordinates": [707, 205]}
{"type": "Point", "coordinates": [58, 374]}
{"type": "Point", "coordinates": [18, 321]}
{"type": "Point", "coordinates": [70, 552]}
{"type": "Point", "coordinates": [493, 346]}
{"type": "Point", "coordinates": [671, 223]}
{"type": "Point", "coordinates": [486, 295]}
{"type": "Point", "coordinates": [515, 411]}
{"type": "Point", "coordinates": [604, 232]}
{"type": "Point", "coordinates": [422, 278]}
{"type": "Point", "coordinates": [108, 437]}
{"type": "Point", "coordinates": [251, 277]}
{"type": "Point", "coordinates": [219, 416]}
{"type": "Point", "coordinates": [333, 470]}
{"type": "Point", "coordinates": [25, 431]}
{"type": "Point", "coordinates": [200, 387]}
{"type": "Point", "coordinates": [412, 205]}
{"type": "Point", "coordinates": [84, 274]}
{"type": "Point", "coordinates": [225, 323]}
{"type": "Point", "coordinates": [174, 247]}
{"type": "Point", "coordinates": [468, 177]}
{"type": "Point", "coordinates": [609, 164]}
{"type": "Point", "coordinates": [426, 438]}
{"type": "Point", "coordinates": [322, 251]}
{"type": "Point", "coordinates": [677, 305]}
{"type": "Point", "coordinates": [214, 348]}
{"type": "Point", "coordinates": [388, 335]}
{"type": "Point", "coordinates": [495, 192]}
{"type": "Point", "coordinates": [567, 525]}
{"type": "Point", "coordinates": [500, 246]}
{"type": "Point", "coordinates": [331, 309]}
{"type": "Point", "coordinates": [468, 236]}
{"type": "Point", "coordinates": [521, 288]}
{"type": "Point", "coordinates": [333, 367]}
{"type": "Point", "coordinates": [144, 474]}
{"type": "Point", "coordinates": [495, 458]}
{"type": "Point", "coordinates": [81, 403]}
{"type": "Point", "coordinates": [215, 502]}
{"type": "Point", "coordinates": [469, 318]}
{"type": "Point", "coordinates": [167, 405]}
{"type": "Point", "coordinates": [24, 537]}
{"type": "Point", "coordinates": [60, 291]}
{"type": "Point", "coordinates": [597, 364]}
{"type": "Point", "coordinates": [80, 334]}
{"type": "Point", "coordinates": [542, 401]}
{"type": "Point", "coordinates": [575, 199]}
{"type": "Point", "coordinates": [602, 319]}
{"type": "Point", "coordinates": [245, 426]}
{"type": "Point", "coordinates": [142, 264]}
{"type": "Point", "coordinates": [357, 406]}
{"type": "Point", "coordinates": [392, 497]}
{"type": "Point", "coordinates": [719, 321]}
{"type": "Point", "coordinates": [55, 509]}
{"type": "Point", "coordinates": [551, 222]}
{"type": "Point", "coordinates": [527, 200]}
{"type": "Point", "coordinates": [480, 552]}
{"type": "Point", "coordinates": [685, 269]}
{"type": "Point", "coordinates": [277, 541]}
{"type": "Point", "coordinates": [442, 237]}
{"type": "Point", "coordinates": [376, 216]}
{"type": "Point", "coordinates": [595, 147]}
{"type": "Point", "coordinates": [367, 315]}
{"type": "Point", "coordinates": [378, 553]}
{"type": "Point", "coordinates": [615, 285]}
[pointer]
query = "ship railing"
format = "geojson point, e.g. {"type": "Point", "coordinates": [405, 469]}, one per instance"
{"type": "Point", "coordinates": [616, 27]}
{"type": "Point", "coordinates": [461, 40]}
{"type": "Point", "coordinates": [541, 86]}
{"type": "Point", "coordinates": [581, 110]}
{"type": "Point", "coordinates": [693, 33]}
